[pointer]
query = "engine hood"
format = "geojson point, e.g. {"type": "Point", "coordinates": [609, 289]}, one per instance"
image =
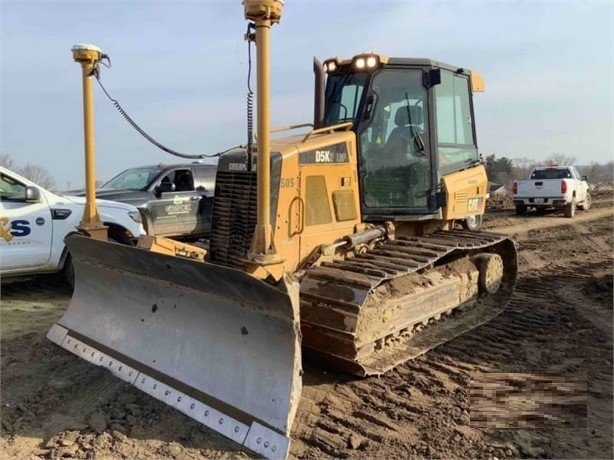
{"type": "Point", "coordinates": [100, 203]}
{"type": "Point", "coordinates": [134, 197]}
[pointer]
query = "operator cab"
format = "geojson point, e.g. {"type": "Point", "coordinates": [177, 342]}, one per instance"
{"type": "Point", "coordinates": [413, 120]}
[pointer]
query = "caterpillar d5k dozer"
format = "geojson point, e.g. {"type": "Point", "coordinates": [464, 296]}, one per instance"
{"type": "Point", "coordinates": [358, 214]}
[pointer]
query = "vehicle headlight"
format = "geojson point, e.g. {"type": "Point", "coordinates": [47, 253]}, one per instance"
{"type": "Point", "coordinates": [135, 216]}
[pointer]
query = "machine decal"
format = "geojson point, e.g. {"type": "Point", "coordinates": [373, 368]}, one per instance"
{"type": "Point", "coordinates": [174, 209]}
{"type": "Point", "coordinates": [237, 167]}
{"type": "Point", "coordinates": [473, 204]}
{"type": "Point", "coordinates": [287, 182]}
{"type": "Point", "coordinates": [337, 153]}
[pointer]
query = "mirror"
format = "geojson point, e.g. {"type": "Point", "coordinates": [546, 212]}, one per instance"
{"type": "Point", "coordinates": [164, 187]}
{"type": "Point", "coordinates": [33, 194]}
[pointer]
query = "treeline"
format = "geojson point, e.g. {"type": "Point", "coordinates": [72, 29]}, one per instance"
{"type": "Point", "coordinates": [35, 173]}
{"type": "Point", "coordinates": [501, 170]}
{"type": "Point", "coordinates": [505, 171]}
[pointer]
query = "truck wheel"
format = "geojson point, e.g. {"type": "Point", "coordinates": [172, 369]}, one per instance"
{"type": "Point", "coordinates": [521, 209]}
{"type": "Point", "coordinates": [69, 271]}
{"type": "Point", "coordinates": [570, 208]}
{"type": "Point", "coordinates": [586, 203]}
{"type": "Point", "coordinates": [472, 223]}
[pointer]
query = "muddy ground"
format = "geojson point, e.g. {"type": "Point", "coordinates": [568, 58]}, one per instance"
{"type": "Point", "coordinates": [557, 327]}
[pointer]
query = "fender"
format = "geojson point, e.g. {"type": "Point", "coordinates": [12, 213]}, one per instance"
{"type": "Point", "coordinates": [64, 252]}
{"type": "Point", "coordinates": [147, 220]}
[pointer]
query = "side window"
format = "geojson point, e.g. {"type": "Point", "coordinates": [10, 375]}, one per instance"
{"type": "Point", "coordinates": [11, 190]}
{"type": "Point", "coordinates": [346, 107]}
{"type": "Point", "coordinates": [455, 140]}
{"type": "Point", "coordinates": [184, 182]}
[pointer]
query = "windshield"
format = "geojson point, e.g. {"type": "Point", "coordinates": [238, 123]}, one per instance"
{"type": "Point", "coordinates": [133, 179]}
{"type": "Point", "coordinates": [343, 97]}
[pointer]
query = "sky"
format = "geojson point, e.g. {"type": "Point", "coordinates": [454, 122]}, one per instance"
{"type": "Point", "coordinates": [180, 69]}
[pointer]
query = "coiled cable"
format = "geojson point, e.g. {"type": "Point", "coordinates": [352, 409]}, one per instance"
{"type": "Point", "coordinates": [144, 134]}
{"type": "Point", "coordinates": [249, 37]}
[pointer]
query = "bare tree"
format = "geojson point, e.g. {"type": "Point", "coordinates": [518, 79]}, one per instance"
{"type": "Point", "coordinates": [37, 174]}
{"type": "Point", "coordinates": [599, 174]}
{"type": "Point", "coordinates": [523, 166]}
{"type": "Point", "coordinates": [560, 159]}
{"type": "Point", "coordinates": [7, 161]}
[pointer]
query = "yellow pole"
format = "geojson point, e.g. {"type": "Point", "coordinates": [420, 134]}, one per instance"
{"type": "Point", "coordinates": [263, 223]}
{"type": "Point", "coordinates": [264, 13]}
{"type": "Point", "coordinates": [88, 56]}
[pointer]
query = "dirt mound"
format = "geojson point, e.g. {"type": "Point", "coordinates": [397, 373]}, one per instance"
{"type": "Point", "coordinates": [500, 202]}
{"type": "Point", "coordinates": [603, 194]}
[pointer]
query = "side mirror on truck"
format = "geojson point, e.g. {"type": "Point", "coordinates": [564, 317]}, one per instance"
{"type": "Point", "coordinates": [33, 194]}
{"type": "Point", "coordinates": [164, 187]}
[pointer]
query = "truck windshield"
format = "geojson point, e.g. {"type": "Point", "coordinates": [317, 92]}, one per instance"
{"type": "Point", "coordinates": [133, 179]}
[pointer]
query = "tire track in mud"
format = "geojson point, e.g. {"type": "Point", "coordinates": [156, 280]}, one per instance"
{"type": "Point", "coordinates": [423, 409]}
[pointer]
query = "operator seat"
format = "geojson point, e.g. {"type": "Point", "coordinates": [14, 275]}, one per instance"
{"type": "Point", "coordinates": [401, 140]}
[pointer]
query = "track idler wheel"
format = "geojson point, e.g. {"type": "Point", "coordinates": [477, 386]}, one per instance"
{"type": "Point", "coordinates": [490, 267]}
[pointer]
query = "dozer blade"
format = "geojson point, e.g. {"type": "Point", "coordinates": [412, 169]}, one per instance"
{"type": "Point", "coordinates": [215, 343]}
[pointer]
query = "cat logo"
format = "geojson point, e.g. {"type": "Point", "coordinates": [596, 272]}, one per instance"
{"type": "Point", "coordinates": [324, 156]}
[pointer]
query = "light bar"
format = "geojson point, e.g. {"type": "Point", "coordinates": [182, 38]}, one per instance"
{"type": "Point", "coordinates": [368, 62]}
{"type": "Point", "coordinates": [331, 65]}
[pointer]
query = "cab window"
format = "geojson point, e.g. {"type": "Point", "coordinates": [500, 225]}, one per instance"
{"type": "Point", "coordinates": [343, 96]}
{"type": "Point", "coordinates": [455, 141]}
{"type": "Point", "coordinates": [11, 190]}
{"type": "Point", "coordinates": [184, 182]}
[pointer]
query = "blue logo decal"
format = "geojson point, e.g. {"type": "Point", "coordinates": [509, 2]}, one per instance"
{"type": "Point", "coordinates": [40, 221]}
{"type": "Point", "coordinates": [20, 228]}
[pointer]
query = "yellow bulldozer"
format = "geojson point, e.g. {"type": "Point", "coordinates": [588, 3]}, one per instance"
{"type": "Point", "coordinates": [339, 242]}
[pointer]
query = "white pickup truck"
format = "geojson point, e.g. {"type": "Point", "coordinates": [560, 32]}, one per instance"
{"type": "Point", "coordinates": [559, 187]}
{"type": "Point", "coordinates": [35, 221]}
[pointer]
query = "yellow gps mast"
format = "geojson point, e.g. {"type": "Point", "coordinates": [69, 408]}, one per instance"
{"type": "Point", "coordinates": [264, 13]}
{"type": "Point", "coordinates": [88, 56]}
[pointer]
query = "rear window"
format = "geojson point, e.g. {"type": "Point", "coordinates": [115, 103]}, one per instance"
{"type": "Point", "coordinates": [551, 174]}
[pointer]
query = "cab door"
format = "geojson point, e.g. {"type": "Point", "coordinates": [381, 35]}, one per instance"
{"type": "Point", "coordinates": [26, 227]}
{"type": "Point", "coordinates": [204, 181]}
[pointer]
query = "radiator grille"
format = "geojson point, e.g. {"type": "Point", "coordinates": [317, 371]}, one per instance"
{"type": "Point", "coordinates": [234, 217]}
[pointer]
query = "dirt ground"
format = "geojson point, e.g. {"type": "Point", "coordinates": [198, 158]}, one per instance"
{"type": "Point", "coordinates": [558, 324]}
